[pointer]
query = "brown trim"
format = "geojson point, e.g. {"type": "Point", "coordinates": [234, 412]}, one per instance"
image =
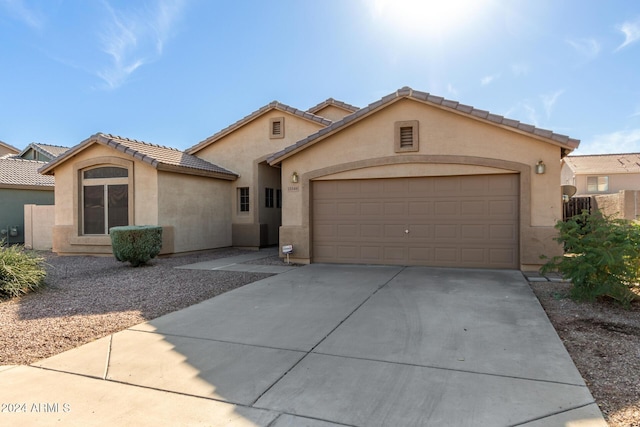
{"type": "Point", "coordinates": [276, 128]}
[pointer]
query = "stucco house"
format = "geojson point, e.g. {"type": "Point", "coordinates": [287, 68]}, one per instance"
{"type": "Point", "coordinates": [42, 152]}
{"type": "Point", "coordinates": [21, 184]}
{"type": "Point", "coordinates": [411, 179]}
{"type": "Point", "coordinates": [7, 149]}
{"type": "Point", "coordinates": [602, 173]}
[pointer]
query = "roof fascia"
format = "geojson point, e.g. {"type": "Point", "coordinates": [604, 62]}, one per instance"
{"type": "Point", "coordinates": [254, 116]}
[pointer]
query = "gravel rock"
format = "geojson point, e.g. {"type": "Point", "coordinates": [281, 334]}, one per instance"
{"type": "Point", "coordinates": [87, 298]}
{"type": "Point", "coordinates": [603, 340]}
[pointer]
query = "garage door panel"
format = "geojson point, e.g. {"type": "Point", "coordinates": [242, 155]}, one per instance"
{"type": "Point", "coordinates": [471, 256]}
{"type": "Point", "coordinates": [446, 207]}
{"type": "Point", "coordinates": [369, 209]}
{"type": "Point", "coordinates": [473, 207]}
{"type": "Point", "coordinates": [420, 208]}
{"type": "Point", "coordinates": [446, 255]}
{"type": "Point", "coordinates": [394, 231]}
{"type": "Point", "coordinates": [463, 221]}
{"type": "Point", "coordinates": [445, 231]}
{"type": "Point", "coordinates": [347, 208]}
{"type": "Point", "coordinates": [395, 253]}
{"type": "Point", "coordinates": [473, 232]}
{"type": "Point", "coordinates": [503, 232]}
{"type": "Point", "coordinates": [420, 231]}
{"type": "Point", "coordinates": [348, 231]}
{"type": "Point", "coordinates": [506, 208]}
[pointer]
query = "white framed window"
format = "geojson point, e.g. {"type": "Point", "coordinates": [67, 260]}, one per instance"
{"type": "Point", "coordinates": [105, 199]}
{"type": "Point", "coordinates": [597, 184]}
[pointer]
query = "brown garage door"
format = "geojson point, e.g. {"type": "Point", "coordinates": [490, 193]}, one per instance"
{"type": "Point", "coordinates": [454, 221]}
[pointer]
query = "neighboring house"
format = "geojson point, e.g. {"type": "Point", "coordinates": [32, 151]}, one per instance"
{"type": "Point", "coordinates": [42, 152]}
{"type": "Point", "coordinates": [6, 149]}
{"type": "Point", "coordinates": [21, 184]}
{"type": "Point", "coordinates": [411, 179]}
{"type": "Point", "coordinates": [602, 173]}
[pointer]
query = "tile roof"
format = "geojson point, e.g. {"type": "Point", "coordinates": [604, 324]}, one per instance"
{"type": "Point", "coordinates": [604, 163]}
{"type": "Point", "coordinates": [408, 93]}
{"type": "Point", "coordinates": [274, 105]}
{"type": "Point", "coordinates": [160, 157]}
{"type": "Point", "coordinates": [20, 172]}
{"type": "Point", "coordinates": [335, 102]}
{"type": "Point", "coordinates": [9, 147]}
{"type": "Point", "coordinates": [51, 151]}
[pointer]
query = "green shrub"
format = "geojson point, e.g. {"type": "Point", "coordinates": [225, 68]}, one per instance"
{"type": "Point", "coordinates": [20, 272]}
{"type": "Point", "coordinates": [136, 244]}
{"type": "Point", "coordinates": [602, 257]}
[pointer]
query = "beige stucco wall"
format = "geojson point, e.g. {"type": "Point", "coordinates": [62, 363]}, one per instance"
{"type": "Point", "coordinates": [242, 151]}
{"type": "Point", "coordinates": [38, 226]}
{"type": "Point", "coordinates": [198, 209]}
{"type": "Point", "coordinates": [624, 204]}
{"type": "Point", "coordinates": [67, 236]}
{"type": "Point", "coordinates": [449, 144]}
{"type": "Point", "coordinates": [333, 113]}
{"type": "Point", "coordinates": [617, 182]}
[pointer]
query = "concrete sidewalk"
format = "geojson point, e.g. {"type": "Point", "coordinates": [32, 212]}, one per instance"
{"type": "Point", "coordinates": [238, 263]}
{"type": "Point", "coordinates": [322, 346]}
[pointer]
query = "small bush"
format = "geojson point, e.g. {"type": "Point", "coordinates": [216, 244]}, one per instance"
{"type": "Point", "coordinates": [136, 244]}
{"type": "Point", "coordinates": [602, 257]}
{"type": "Point", "coordinates": [20, 272]}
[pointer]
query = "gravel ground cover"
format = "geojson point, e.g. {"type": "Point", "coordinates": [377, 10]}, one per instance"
{"type": "Point", "coordinates": [603, 340]}
{"type": "Point", "coordinates": [87, 298]}
{"type": "Point", "coordinates": [91, 297]}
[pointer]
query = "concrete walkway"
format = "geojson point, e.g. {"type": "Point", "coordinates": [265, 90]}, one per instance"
{"type": "Point", "coordinates": [323, 346]}
{"type": "Point", "coordinates": [237, 263]}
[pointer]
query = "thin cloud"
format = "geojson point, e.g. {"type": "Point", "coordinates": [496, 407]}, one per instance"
{"type": "Point", "coordinates": [486, 80]}
{"type": "Point", "coordinates": [631, 31]}
{"type": "Point", "coordinates": [134, 38]}
{"type": "Point", "coordinates": [589, 48]}
{"type": "Point", "coordinates": [549, 101]}
{"type": "Point", "coordinates": [625, 141]}
{"type": "Point", "coordinates": [20, 12]}
{"type": "Point", "coordinates": [520, 69]}
{"type": "Point", "coordinates": [451, 89]}
{"type": "Point", "coordinates": [525, 112]}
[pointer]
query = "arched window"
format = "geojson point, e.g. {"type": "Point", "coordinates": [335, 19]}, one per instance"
{"type": "Point", "coordinates": [105, 199]}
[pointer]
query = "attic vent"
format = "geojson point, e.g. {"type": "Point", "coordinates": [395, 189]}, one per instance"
{"type": "Point", "coordinates": [406, 136]}
{"type": "Point", "coordinates": [276, 128]}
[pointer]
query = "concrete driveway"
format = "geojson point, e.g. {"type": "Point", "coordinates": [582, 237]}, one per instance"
{"type": "Point", "coordinates": [322, 346]}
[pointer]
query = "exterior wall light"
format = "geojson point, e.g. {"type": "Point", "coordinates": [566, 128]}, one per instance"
{"type": "Point", "coordinates": [294, 177]}
{"type": "Point", "coordinates": [540, 168]}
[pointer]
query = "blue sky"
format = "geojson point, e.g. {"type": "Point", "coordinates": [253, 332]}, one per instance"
{"type": "Point", "coordinates": [173, 72]}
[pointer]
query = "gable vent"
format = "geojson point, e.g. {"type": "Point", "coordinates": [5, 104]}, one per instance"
{"type": "Point", "coordinates": [406, 136]}
{"type": "Point", "coordinates": [276, 129]}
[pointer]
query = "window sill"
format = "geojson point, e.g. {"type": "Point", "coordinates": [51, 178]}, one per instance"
{"type": "Point", "coordinates": [91, 240]}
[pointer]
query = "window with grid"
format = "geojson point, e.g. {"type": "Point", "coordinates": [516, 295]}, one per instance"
{"type": "Point", "coordinates": [105, 199]}
{"type": "Point", "coordinates": [243, 199]}
{"type": "Point", "coordinates": [597, 184]}
{"type": "Point", "coordinates": [268, 197]}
